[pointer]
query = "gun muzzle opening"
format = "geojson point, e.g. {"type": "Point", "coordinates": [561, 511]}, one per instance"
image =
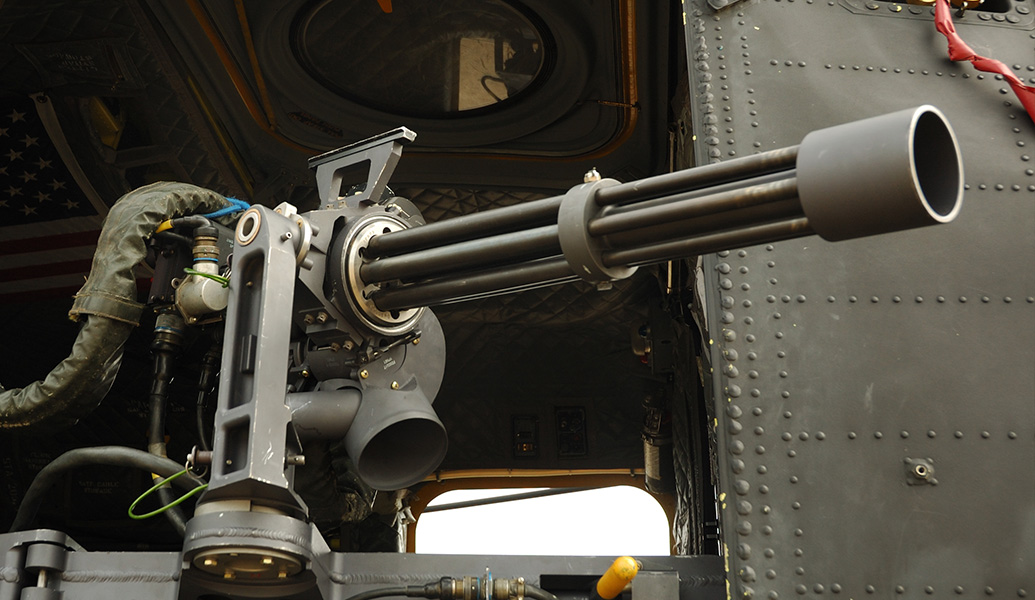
{"type": "Point", "coordinates": [888, 173]}
{"type": "Point", "coordinates": [938, 165]}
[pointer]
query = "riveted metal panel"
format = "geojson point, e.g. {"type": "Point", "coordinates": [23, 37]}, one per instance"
{"type": "Point", "coordinates": [838, 369]}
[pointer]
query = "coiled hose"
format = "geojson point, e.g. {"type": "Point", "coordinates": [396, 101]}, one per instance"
{"type": "Point", "coordinates": [108, 304]}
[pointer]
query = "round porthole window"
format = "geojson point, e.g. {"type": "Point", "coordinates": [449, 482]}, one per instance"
{"type": "Point", "coordinates": [425, 59]}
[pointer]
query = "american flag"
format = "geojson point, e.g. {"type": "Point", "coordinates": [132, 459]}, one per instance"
{"type": "Point", "coordinates": [48, 227]}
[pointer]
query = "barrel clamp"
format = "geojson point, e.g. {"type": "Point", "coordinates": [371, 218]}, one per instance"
{"type": "Point", "coordinates": [581, 250]}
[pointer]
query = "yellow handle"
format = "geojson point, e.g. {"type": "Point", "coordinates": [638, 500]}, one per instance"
{"type": "Point", "coordinates": [622, 571]}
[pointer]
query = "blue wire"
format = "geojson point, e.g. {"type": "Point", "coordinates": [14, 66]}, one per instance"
{"type": "Point", "coordinates": [237, 206]}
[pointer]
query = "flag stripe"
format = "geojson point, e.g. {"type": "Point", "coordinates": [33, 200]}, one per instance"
{"type": "Point", "coordinates": [50, 287]}
{"type": "Point", "coordinates": [55, 255]}
{"type": "Point", "coordinates": [79, 238]}
{"type": "Point", "coordinates": [45, 270]}
{"type": "Point", "coordinates": [40, 283]}
{"type": "Point", "coordinates": [35, 295]}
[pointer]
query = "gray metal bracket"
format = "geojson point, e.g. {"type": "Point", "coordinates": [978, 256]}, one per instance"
{"type": "Point", "coordinates": [32, 564]}
{"type": "Point", "coordinates": [382, 151]}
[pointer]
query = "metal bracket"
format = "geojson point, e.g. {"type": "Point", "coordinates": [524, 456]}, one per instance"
{"type": "Point", "coordinates": [32, 564]}
{"type": "Point", "coordinates": [657, 585]}
{"type": "Point", "coordinates": [382, 151]}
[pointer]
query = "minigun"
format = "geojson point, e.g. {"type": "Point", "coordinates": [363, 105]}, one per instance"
{"type": "Point", "coordinates": [328, 329]}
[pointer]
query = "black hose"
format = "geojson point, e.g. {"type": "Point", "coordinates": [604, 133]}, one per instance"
{"type": "Point", "coordinates": [379, 593]}
{"type": "Point", "coordinates": [117, 456]}
{"type": "Point", "coordinates": [165, 347]}
{"type": "Point", "coordinates": [158, 398]}
{"type": "Point", "coordinates": [206, 383]}
{"type": "Point", "coordinates": [200, 422]}
{"type": "Point", "coordinates": [194, 221]}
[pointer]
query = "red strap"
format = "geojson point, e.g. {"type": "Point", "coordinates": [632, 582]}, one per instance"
{"type": "Point", "coordinates": [959, 50]}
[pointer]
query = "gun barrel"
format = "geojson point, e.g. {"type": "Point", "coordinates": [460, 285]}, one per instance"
{"type": "Point", "coordinates": [883, 174]}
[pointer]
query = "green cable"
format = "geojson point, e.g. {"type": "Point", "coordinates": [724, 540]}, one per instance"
{"type": "Point", "coordinates": [223, 280]}
{"type": "Point", "coordinates": [159, 511]}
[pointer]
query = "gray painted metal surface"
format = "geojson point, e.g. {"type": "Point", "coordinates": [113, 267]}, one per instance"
{"type": "Point", "coordinates": [838, 369]}
{"type": "Point", "coordinates": [73, 573]}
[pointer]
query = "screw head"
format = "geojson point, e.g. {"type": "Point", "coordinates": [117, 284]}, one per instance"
{"type": "Point", "coordinates": [364, 374]}
{"type": "Point", "coordinates": [395, 385]}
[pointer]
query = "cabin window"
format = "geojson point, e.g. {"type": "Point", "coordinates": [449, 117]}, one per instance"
{"type": "Point", "coordinates": [420, 58]}
{"type": "Point", "coordinates": [613, 521]}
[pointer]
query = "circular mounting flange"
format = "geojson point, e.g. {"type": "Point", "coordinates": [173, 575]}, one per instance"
{"type": "Point", "coordinates": [358, 292]}
{"type": "Point", "coordinates": [248, 564]}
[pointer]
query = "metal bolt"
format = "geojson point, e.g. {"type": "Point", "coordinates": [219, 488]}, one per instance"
{"type": "Point", "coordinates": [285, 236]}
{"type": "Point", "coordinates": [321, 317]}
{"type": "Point", "coordinates": [364, 374]}
{"type": "Point", "coordinates": [308, 319]}
{"type": "Point", "coordinates": [348, 345]}
{"type": "Point", "coordinates": [200, 457]}
{"type": "Point", "coordinates": [305, 373]}
{"type": "Point", "coordinates": [228, 574]}
{"type": "Point", "coordinates": [267, 560]}
{"type": "Point", "coordinates": [395, 385]}
{"type": "Point", "coordinates": [591, 176]}
{"type": "Point", "coordinates": [282, 575]}
{"type": "Point", "coordinates": [416, 341]}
